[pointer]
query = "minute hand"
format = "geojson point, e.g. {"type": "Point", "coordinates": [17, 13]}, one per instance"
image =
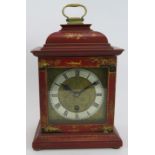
{"type": "Point", "coordinates": [93, 84]}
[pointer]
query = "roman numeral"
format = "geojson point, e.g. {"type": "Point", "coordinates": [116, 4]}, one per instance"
{"type": "Point", "coordinates": [88, 75]}
{"type": "Point", "coordinates": [65, 113]}
{"type": "Point", "coordinates": [96, 83]}
{"type": "Point", "coordinates": [77, 73]}
{"type": "Point", "coordinates": [57, 106]}
{"type": "Point", "coordinates": [57, 84]}
{"type": "Point", "coordinates": [88, 113]}
{"type": "Point", "coordinates": [99, 94]}
{"type": "Point", "coordinates": [96, 105]}
{"type": "Point", "coordinates": [54, 95]}
{"type": "Point", "coordinates": [65, 76]}
{"type": "Point", "coordinates": [77, 116]}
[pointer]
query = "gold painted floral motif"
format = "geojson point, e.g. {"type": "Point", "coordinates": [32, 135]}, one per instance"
{"type": "Point", "coordinates": [43, 64]}
{"type": "Point", "coordinates": [107, 129]}
{"type": "Point", "coordinates": [51, 129]}
{"type": "Point", "coordinates": [104, 61]}
{"type": "Point", "coordinates": [73, 36]}
{"type": "Point", "coordinates": [74, 62]}
{"type": "Point", "coordinates": [94, 35]}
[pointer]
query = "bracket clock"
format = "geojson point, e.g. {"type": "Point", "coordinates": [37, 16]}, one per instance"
{"type": "Point", "coordinates": [77, 77]}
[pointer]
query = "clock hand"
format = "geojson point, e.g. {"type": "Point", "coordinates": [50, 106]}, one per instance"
{"type": "Point", "coordinates": [93, 84]}
{"type": "Point", "coordinates": [67, 88]}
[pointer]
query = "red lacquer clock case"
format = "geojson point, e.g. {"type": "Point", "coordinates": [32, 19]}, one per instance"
{"type": "Point", "coordinates": [76, 45]}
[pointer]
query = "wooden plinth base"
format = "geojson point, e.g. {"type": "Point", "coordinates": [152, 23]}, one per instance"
{"type": "Point", "coordinates": [75, 140]}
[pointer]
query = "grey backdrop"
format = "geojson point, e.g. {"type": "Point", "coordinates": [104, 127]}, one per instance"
{"type": "Point", "coordinates": [107, 16]}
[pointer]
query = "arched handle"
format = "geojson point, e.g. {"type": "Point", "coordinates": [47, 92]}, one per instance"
{"type": "Point", "coordinates": [74, 20]}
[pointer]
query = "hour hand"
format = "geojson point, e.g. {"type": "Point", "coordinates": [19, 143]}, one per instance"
{"type": "Point", "coordinates": [67, 88]}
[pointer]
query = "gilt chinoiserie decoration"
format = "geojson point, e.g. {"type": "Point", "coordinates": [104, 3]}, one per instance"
{"type": "Point", "coordinates": [77, 78]}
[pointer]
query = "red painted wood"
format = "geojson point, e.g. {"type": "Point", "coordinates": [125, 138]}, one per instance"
{"type": "Point", "coordinates": [73, 62]}
{"type": "Point", "coordinates": [76, 34]}
{"type": "Point", "coordinates": [77, 50]}
{"type": "Point", "coordinates": [43, 97]}
{"type": "Point", "coordinates": [75, 140]}
{"type": "Point", "coordinates": [76, 40]}
{"type": "Point", "coordinates": [81, 62]}
{"type": "Point", "coordinates": [111, 98]}
{"type": "Point", "coordinates": [75, 43]}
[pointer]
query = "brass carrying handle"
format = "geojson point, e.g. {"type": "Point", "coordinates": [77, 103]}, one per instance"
{"type": "Point", "coordinates": [74, 20]}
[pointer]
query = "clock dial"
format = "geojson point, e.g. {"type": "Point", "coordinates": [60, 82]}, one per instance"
{"type": "Point", "coordinates": [76, 94]}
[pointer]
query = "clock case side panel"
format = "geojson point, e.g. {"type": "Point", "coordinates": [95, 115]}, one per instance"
{"type": "Point", "coordinates": [43, 97]}
{"type": "Point", "coordinates": [76, 62]}
{"type": "Point", "coordinates": [111, 95]}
